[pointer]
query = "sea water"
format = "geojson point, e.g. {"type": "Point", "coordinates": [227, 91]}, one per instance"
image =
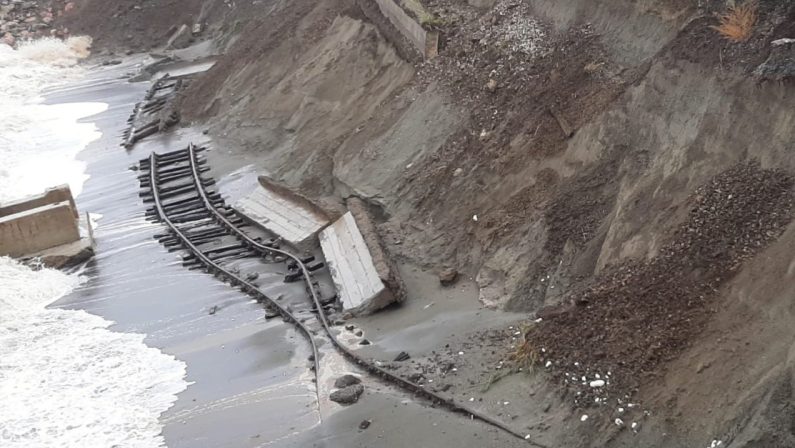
{"type": "Point", "coordinates": [66, 380]}
{"type": "Point", "coordinates": [39, 143]}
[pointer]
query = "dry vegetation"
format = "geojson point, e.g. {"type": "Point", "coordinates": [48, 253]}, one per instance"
{"type": "Point", "coordinates": [737, 23]}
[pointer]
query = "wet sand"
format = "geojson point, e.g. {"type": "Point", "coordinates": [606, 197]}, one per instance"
{"type": "Point", "coordinates": [250, 382]}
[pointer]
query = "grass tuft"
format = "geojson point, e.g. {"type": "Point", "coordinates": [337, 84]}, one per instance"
{"type": "Point", "coordinates": [525, 356]}
{"type": "Point", "coordinates": [737, 23]}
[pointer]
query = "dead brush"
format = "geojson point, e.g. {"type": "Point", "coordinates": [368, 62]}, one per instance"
{"type": "Point", "coordinates": [522, 359]}
{"type": "Point", "coordinates": [525, 356]}
{"type": "Point", "coordinates": [737, 23]}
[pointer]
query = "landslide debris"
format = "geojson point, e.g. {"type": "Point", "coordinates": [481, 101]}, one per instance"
{"type": "Point", "coordinates": [634, 317]}
{"type": "Point", "coordinates": [27, 20]}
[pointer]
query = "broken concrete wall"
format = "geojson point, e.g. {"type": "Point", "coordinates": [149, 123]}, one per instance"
{"type": "Point", "coordinates": [38, 229]}
{"type": "Point", "coordinates": [357, 281]}
{"type": "Point", "coordinates": [53, 195]}
{"type": "Point", "coordinates": [384, 264]}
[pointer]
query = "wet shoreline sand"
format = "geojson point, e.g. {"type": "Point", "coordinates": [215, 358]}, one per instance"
{"type": "Point", "coordinates": [250, 385]}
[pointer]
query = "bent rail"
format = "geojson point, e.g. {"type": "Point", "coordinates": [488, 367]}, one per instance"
{"type": "Point", "coordinates": [368, 366]}
{"type": "Point", "coordinates": [219, 271]}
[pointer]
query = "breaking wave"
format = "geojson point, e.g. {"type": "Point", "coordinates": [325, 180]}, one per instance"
{"type": "Point", "coordinates": [39, 143]}
{"type": "Point", "coordinates": [65, 379]}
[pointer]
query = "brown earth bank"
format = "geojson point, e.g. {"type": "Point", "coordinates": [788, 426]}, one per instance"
{"type": "Point", "coordinates": [654, 243]}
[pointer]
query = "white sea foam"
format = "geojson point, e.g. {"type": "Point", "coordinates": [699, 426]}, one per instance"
{"type": "Point", "coordinates": [38, 143]}
{"type": "Point", "coordinates": [67, 381]}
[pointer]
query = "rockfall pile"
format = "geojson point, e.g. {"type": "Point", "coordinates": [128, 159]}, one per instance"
{"type": "Point", "coordinates": [25, 20]}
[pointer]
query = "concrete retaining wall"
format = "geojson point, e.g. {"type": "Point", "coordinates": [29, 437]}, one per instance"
{"type": "Point", "coordinates": [37, 229]}
{"type": "Point", "coordinates": [53, 195]}
{"type": "Point", "coordinates": [427, 42]}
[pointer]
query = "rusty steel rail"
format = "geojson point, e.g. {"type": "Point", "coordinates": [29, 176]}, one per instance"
{"type": "Point", "coordinates": [215, 269]}
{"type": "Point", "coordinates": [349, 354]}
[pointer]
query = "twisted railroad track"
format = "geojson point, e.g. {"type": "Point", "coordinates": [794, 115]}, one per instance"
{"type": "Point", "coordinates": [196, 216]}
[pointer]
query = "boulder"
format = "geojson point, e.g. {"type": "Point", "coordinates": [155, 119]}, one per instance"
{"type": "Point", "coordinates": [345, 381]}
{"type": "Point", "coordinates": [347, 395]}
{"type": "Point", "coordinates": [448, 276]}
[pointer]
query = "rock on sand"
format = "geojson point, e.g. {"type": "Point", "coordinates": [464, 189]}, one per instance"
{"type": "Point", "coordinates": [347, 395]}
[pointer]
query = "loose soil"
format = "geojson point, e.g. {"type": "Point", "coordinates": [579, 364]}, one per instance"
{"type": "Point", "coordinates": [638, 316]}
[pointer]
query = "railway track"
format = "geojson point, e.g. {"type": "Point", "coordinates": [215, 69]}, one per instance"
{"type": "Point", "coordinates": [199, 222]}
{"type": "Point", "coordinates": [153, 114]}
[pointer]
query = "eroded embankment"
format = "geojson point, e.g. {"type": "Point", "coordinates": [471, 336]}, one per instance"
{"type": "Point", "coordinates": [469, 158]}
{"type": "Point", "coordinates": [466, 155]}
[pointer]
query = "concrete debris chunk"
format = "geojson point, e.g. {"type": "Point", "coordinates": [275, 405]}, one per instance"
{"type": "Point", "coordinates": [45, 226]}
{"type": "Point", "coordinates": [364, 276]}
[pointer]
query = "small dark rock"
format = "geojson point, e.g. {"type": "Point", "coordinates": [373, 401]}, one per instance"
{"type": "Point", "coordinates": [402, 356]}
{"type": "Point", "coordinates": [270, 313]}
{"type": "Point", "coordinates": [328, 300]}
{"type": "Point", "coordinates": [364, 342]}
{"type": "Point", "coordinates": [349, 327]}
{"type": "Point", "coordinates": [347, 395]}
{"type": "Point", "coordinates": [416, 377]}
{"type": "Point", "coordinates": [359, 333]}
{"type": "Point", "coordinates": [446, 366]}
{"type": "Point", "coordinates": [365, 424]}
{"type": "Point", "coordinates": [213, 309]}
{"type": "Point", "coordinates": [345, 381]}
{"type": "Point", "coordinates": [252, 276]}
{"type": "Point", "coordinates": [448, 277]}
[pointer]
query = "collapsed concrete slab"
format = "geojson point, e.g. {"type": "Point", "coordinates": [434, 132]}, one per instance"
{"type": "Point", "coordinates": [363, 274]}
{"type": "Point", "coordinates": [287, 214]}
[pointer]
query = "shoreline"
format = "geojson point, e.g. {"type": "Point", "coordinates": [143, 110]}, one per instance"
{"type": "Point", "coordinates": [236, 336]}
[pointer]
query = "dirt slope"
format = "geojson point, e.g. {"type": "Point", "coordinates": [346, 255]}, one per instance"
{"type": "Point", "coordinates": [467, 163]}
{"type": "Point", "coordinates": [657, 115]}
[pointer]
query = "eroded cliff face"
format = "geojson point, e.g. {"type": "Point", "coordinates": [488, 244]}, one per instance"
{"type": "Point", "coordinates": [466, 159]}
{"type": "Point", "coordinates": [330, 107]}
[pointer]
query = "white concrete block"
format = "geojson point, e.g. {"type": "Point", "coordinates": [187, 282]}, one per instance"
{"type": "Point", "coordinates": [294, 222]}
{"type": "Point", "coordinates": [360, 289]}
